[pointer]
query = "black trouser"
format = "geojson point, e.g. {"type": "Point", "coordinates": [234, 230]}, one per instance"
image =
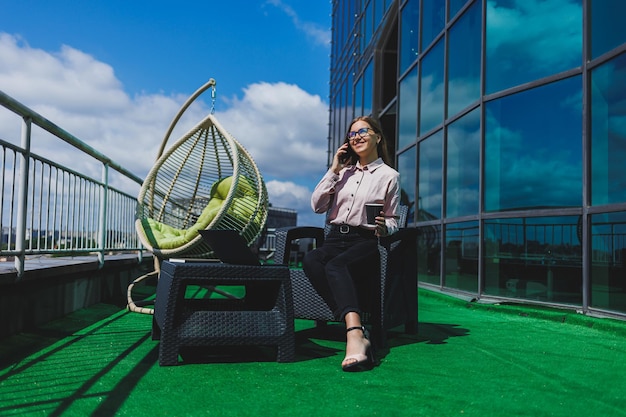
{"type": "Point", "coordinates": [342, 263]}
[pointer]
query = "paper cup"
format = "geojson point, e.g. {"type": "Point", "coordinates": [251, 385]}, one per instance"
{"type": "Point", "coordinates": [373, 210]}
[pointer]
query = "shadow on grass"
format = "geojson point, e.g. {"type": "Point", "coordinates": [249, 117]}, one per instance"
{"type": "Point", "coordinates": [312, 344]}
{"type": "Point", "coordinates": [72, 361]}
{"type": "Point", "coordinates": [437, 333]}
{"type": "Point", "coordinates": [15, 349]}
{"type": "Point", "coordinates": [306, 349]}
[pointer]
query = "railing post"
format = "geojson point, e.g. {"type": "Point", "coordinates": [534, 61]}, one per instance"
{"type": "Point", "coordinates": [59, 198]}
{"type": "Point", "coordinates": [22, 199]}
{"type": "Point", "coordinates": [104, 199]}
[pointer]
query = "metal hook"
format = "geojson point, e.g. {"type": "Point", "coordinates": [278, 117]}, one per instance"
{"type": "Point", "coordinates": [213, 95]}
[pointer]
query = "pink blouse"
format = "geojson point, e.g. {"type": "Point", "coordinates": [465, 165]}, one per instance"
{"type": "Point", "coordinates": [344, 195]}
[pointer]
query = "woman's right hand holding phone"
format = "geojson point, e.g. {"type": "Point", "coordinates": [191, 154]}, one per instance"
{"type": "Point", "coordinates": [339, 158]}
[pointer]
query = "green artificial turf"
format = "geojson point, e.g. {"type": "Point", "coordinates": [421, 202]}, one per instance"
{"type": "Point", "coordinates": [468, 359]}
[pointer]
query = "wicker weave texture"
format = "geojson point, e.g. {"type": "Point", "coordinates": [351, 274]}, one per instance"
{"type": "Point", "coordinates": [263, 317]}
{"type": "Point", "coordinates": [178, 189]}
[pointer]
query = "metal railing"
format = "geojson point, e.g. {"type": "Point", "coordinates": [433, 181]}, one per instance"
{"type": "Point", "coordinates": [50, 209]}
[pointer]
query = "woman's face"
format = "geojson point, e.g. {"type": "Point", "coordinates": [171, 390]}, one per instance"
{"type": "Point", "coordinates": [363, 139]}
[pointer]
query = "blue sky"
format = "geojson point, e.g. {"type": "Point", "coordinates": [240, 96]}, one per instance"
{"type": "Point", "coordinates": [114, 73]}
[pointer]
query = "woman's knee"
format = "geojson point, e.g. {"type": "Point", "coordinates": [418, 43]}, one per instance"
{"type": "Point", "coordinates": [337, 266]}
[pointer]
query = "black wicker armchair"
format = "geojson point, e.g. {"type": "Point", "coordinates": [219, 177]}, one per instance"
{"type": "Point", "coordinates": [392, 300]}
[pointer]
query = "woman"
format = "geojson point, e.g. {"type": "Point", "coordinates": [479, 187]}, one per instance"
{"type": "Point", "coordinates": [359, 174]}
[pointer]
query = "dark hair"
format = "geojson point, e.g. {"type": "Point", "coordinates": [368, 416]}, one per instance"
{"type": "Point", "coordinates": [381, 148]}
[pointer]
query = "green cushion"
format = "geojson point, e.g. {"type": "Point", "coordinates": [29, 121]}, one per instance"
{"type": "Point", "coordinates": [163, 236]}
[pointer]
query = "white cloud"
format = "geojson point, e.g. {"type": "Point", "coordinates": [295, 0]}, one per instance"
{"type": "Point", "coordinates": [528, 29]}
{"type": "Point", "coordinates": [282, 126]}
{"type": "Point", "coordinates": [289, 194]}
{"type": "Point", "coordinates": [69, 79]}
{"type": "Point", "coordinates": [318, 34]}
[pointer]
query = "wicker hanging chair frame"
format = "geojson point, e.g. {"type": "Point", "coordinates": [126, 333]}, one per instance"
{"type": "Point", "coordinates": [179, 193]}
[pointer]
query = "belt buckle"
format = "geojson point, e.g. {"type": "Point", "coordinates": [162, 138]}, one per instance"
{"type": "Point", "coordinates": [344, 228]}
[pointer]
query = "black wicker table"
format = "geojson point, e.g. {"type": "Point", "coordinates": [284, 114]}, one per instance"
{"type": "Point", "coordinates": [262, 317]}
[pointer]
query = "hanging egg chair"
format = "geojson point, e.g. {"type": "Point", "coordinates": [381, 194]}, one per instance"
{"type": "Point", "coordinates": [205, 180]}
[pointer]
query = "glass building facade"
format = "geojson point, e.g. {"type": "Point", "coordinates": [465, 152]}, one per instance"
{"type": "Point", "coordinates": [507, 120]}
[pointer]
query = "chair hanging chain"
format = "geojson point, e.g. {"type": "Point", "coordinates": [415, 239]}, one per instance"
{"type": "Point", "coordinates": [213, 99]}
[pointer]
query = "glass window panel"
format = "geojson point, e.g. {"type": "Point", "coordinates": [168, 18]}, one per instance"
{"type": "Point", "coordinates": [407, 167]}
{"type": "Point", "coordinates": [533, 148]}
{"type": "Point", "coordinates": [346, 112]}
{"type": "Point", "coordinates": [409, 34]}
{"type": "Point", "coordinates": [368, 85]}
{"type": "Point", "coordinates": [347, 23]}
{"type": "Point", "coordinates": [455, 6]}
{"type": "Point", "coordinates": [608, 132]}
{"type": "Point", "coordinates": [608, 256]}
{"type": "Point", "coordinates": [431, 89]}
{"type": "Point", "coordinates": [534, 258]}
{"type": "Point", "coordinates": [464, 61]}
{"type": "Point", "coordinates": [358, 97]}
{"type": "Point", "coordinates": [349, 98]}
{"type": "Point", "coordinates": [365, 27]}
{"type": "Point", "coordinates": [337, 113]}
{"type": "Point", "coordinates": [379, 11]}
{"type": "Point", "coordinates": [407, 113]}
{"type": "Point", "coordinates": [433, 20]}
{"type": "Point", "coordinates": [430, 169]}
{"type": "Point", "coordinates": [369, 11]}
{"type": "Point", "coordinates": [429, 254]}
{"type": "Point", "coordinates": [463, 166]}
{"type": "Point", "coordinates": [527, 43]}
{"type": "Point", "coordinates": [461, 256]}
{"type": "Point", "coordinates": [607, 25]}
{"type": "Point", "coordinates": [388, 4]}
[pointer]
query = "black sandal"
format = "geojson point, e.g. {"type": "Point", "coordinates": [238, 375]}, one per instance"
{"type": "Point", "coordinates": [361, 364]}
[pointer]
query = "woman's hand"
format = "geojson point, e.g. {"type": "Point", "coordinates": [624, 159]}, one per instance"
{"type": "Point", "coordinates": [381, 225]}
{"type": "Point", "coordinates": [341, 151]}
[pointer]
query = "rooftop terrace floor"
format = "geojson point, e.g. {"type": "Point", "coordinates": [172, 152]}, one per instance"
{"type": "Point", "coordinates": [468, 359]}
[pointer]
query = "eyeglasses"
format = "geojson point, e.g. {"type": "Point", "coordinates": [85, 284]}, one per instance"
{"type": "Point", "coordinates": [362, 132]}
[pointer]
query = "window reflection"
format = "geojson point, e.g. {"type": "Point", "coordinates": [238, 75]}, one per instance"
{"type": "Point", "coordinates": [455, 6]}
{"type": "Point", "coordinates": [368, 85]}
{"type": "Point", "coordinates": [511, 115]}
{"type": "Point", "coordinates": [337, 125]}
{"type": "Point", "coordinates": [533, 148]}
{"type": "Point", "coordinates": [527, 43]}
{"type": "Point", "coordinates": [608, 256]}
{"type": "Point", "coordinates": [433, 20]}
{"type": "Point", "coordinates": [534, 258]}
{"type": "Point", "coordinates": [379, 11]}
{"type": "Point", "coordinates": [429, 254]}
{"type": "Point", "coordinates": [431, 89]}
{"type": "Point", "coordinates": [607, 25]}
{"type": "Point", "coordinates": [409, 35]}
{"type": "Point", "coordinates": [407, 113]}
{"type": "Point", "coordinates": [358, 97]}
{"type": "Point", "coordinates": [461, 256]}
{"type": "Point", "coordinates": [462, 170]}
{"type": "Point", "coordinates": [608, 132]}
{"type": "Point", "coordinates": [366, 26]}
{"type": "Point", "coordinates": [342, 110]}
{"type": "Point", "coordinates": [464, 61]}
{"type": "Point", "coordinates": [430, 180]}
{"type": "Point", "coordinates": [407, 167]}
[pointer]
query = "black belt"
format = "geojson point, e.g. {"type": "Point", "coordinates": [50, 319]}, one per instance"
{"type": "Point", "coordinates": [346, 229]}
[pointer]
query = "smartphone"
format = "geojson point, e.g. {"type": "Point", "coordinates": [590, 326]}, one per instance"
{"type": "Point", "coordinates": [349, 157]}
